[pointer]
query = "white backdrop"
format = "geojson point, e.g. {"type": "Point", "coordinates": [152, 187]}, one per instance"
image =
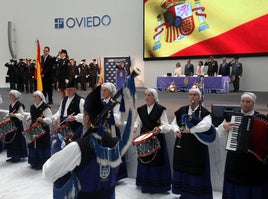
{"type": "Point", "coordinates": [34, 19]}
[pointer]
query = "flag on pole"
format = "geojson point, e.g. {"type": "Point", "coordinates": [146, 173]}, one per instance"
{"type": "Point", "coordinates": [38, 69]}
{"type": "Point", "coordinates": [101, 74]}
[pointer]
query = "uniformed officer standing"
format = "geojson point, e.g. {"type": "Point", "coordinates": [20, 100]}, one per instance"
{"type": "Point", "coordinates": [63, 71]}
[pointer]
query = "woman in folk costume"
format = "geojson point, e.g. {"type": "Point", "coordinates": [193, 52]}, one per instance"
{"type": "Point", "coordinates": [39, 150]}
{"type": "Point", "coordinates": [194, 131]}
{"type": "Point", "coordinates": [153, 171]}
{"type": "Point", "coordinates": [108, 90]}
{"type": "Point", "coordinates": [92, 161]}
{"type": "Point", "coordinates": [245, 175]}
{"type": "Point", "coordinates": [15, 142]}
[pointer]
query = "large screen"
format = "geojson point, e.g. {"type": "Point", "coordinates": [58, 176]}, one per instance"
{"type": "Point", "coordinates": [200, 28]}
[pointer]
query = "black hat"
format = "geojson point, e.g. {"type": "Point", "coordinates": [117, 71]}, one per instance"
{"type": "Point", "coordinates": [71, 84]}
{"type": "Point", "coordinates": [63, 51]}
{"type": "Point", "coordinates": [83, 60]}
{"type": "Point", "coordinates": [93, 104]}
{"type": "Point", "coordinates": [93, 59]}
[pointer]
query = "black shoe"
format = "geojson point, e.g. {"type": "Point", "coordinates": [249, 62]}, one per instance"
{"type": "Point", "coordinates": [9, 160]}
{"type": "Point", "coordinates": [33, 166]}
{"type": "Point", "coordinates": [15, 160]}
{"type": "Point", "coordinates": [38, 167]}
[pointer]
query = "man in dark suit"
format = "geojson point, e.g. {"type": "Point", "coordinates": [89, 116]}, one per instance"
{"type": "Point", "coordinates": [47, 74]}
{"type": "Point", "coordinates": [212, 66]}
{"type": "Point", "coordinates": [189, 68]}
{"type": "Point", "coordinates": [224, 68]}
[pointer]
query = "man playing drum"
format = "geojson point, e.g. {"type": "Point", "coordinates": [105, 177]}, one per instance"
{"type": "Point", "coordinates": [71, 110]}
{"type": "Point", "coordinates": [153, 171]}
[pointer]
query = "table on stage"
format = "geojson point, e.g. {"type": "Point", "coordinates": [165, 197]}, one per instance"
{"type": "Point", "coordinates": [218, 83]}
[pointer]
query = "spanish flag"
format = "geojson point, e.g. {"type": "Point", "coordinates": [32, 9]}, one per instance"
{"type": "Point", "coordinates": [38, 69]}
{"type": "Point", "coordinates": [183, 28]}
{"type": "Point", "coordinates": [101, 74]}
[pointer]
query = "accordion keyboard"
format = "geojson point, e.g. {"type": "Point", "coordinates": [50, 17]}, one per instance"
{"type": "Point", "coordinates": [232, 139]}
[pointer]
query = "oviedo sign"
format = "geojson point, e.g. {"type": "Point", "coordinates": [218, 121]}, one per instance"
{"type": "Point", "coordinates": [82, 22]}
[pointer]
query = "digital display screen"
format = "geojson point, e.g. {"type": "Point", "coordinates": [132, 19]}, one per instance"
{"type": "Point", "coordinates": [200, 28]}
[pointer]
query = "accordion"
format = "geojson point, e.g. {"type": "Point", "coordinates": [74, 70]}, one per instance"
{"type": "Point", "coordinates": [250, 134]}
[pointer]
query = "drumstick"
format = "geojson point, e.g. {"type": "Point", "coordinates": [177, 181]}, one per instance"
{"type": "Point", "coordinates": [66, 118]}
{"type": "Point", "coordinates": [8, 116]}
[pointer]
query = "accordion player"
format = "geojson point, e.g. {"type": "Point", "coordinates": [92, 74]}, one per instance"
{"type": "Point", "coordinates": [249, 134]}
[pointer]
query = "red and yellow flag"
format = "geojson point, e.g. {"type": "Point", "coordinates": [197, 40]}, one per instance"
{"type": "Point", "coordinates": [38, 69]}
{"type": "Point", "coordinates": [101, 74]}
{"type": "Point", "coordinates": [184, 28]}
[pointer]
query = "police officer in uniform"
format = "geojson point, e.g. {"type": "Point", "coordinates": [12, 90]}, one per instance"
{"type": "Point", "coordinates": [63, 71]}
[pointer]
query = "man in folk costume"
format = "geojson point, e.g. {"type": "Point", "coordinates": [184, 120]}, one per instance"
{"type": "Point", "coordinates": [71, 110]}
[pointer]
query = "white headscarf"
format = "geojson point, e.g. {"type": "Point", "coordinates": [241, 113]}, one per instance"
{"type": "Point", "coordinates": [16, 93]}
{"type": "Point", "coordinates": [110, 86]}
{"type": "Point", "coordinates": [154, 92]}
{"type": "Point", "coordinates": [41, 95]}
{"type": "Point", "coordinates": [196, 89]}
{"type": "Point", "coordinates": [249, 95]}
